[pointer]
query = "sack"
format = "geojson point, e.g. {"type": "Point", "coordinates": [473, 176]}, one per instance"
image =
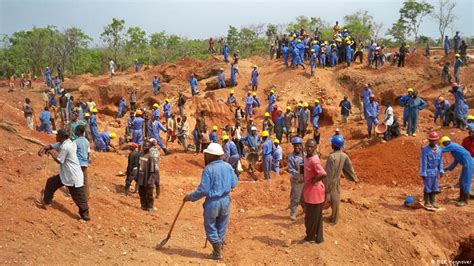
{"type": "Point", "coordinates": [239, 167]}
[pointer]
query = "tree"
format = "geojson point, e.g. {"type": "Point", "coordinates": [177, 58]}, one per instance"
{"type": "Point", "coordinates": [68, 42]}
{"type": "Point", "coordinates": [114, 36]}
{"type": "Point", "coordinates": [444, 16]}
{"type": "Point", "coordinates": [399, 31]}
{"type": "Point", "coordinates": [360, 24]}
{"type": "Point", "coordinates": [377, 30]}
{"type": "Point", "coordinates": [271, 32]}
{"type": "Point", "coordinates": [412, 14]}
{"type": "Point", "coordinates": [136, 44]}
{"type": "Point", "coordinates": [233, 37]}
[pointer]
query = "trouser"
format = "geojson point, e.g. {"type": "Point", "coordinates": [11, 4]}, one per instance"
{"type": "Point", "coordinates": [412, 123]}
{"type": "Point", "coordinates": [137, 136]}
{"type": "Point", "coordinates": [370, 123]}
{"type": "Point", "coordinates": [267, 166]}
{"type": "Point", "coordinates": [216, 218]}
{"type": "Point", "coordinates": [344, 119]}
{"type": "Point", "coordinates": [29, 122]}
{"type": "Point", "coordinates": [86, 181]}
{"type": "Point", "coordinates": [182, 140]}
{"type": "Point", "coordinates": [465, 179]}
{"type": "Point", "coordinates": [146, 197]}
{"type": "Point", "coordinates": [401, 61]}
{"type": "Point", "coordinates": [333, 197]}
{"type": "Point", "coordinates": [197, 143]}
{"type": "Point", "coordinates": [295, 196]}
{"type": "Point", "coordinates": [456, 75]}
{"type": "Point", "coordinates": [388, 133]}
{"type": "Point", "coordinates": [64, 115]}
{"type": "Point", "coordinates": [313, 221]}
{"type": "Point", "coordinates": [133, 106]}
{"type": "Point", "coordinates": [446, 77]}
{"type": "Point", "coordinates": [360, 55]}
{"type": "Point", "coordinates": [45, 127]}
{"type": "Point", "coordinates": [77, 194]}
{"type": "Point", "coordinates": [181, 110]}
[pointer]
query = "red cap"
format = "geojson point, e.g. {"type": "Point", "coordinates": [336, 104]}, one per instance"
{"type": "Point", "coordinates": [433, 136]}
{"type": "Point", "coordinates": [455, 84]}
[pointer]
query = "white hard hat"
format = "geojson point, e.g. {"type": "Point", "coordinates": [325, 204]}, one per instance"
{"type": "Point", "coordinates": [253, 128]}
{"type": "Point", "coordinates": [214, 149]}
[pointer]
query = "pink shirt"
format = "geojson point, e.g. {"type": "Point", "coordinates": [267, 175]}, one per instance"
{"type": "Point", "coordinates": [313, 194]}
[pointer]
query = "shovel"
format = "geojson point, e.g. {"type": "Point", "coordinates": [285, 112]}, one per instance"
{"type": "Point", "coordinates": [164, 241]}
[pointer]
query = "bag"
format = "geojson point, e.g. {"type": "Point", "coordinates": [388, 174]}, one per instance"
{"type": "Point", "coordinates": [239, 167]}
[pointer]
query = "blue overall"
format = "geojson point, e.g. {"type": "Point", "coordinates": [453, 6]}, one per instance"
{"type": "Point", "coordinates": [94, 127]}
{"type": "Point", "coordinates": [137, 66]}
{"type": "Point", "coordinates": [137, 130]}
{"type": "Point", "coordinates": [300, 48]}
{"type": "Point", "coordinates": [365, 94]}
{"type": "Point", "coordinates": [317, 111]}
{"type": "Point", "coordinates": [296, 59]}
{"type": "Point", "coordinates": [233, 75]}
{"type": "Point", "coordinates": [446, 46]}
{"type": "Point", "coordinates": [459, 103]}
{"type": "Point", "coordinates": [231, 154]}
{"type": "Point", "coordinates": [285, 52]}
{"type": "Point", "coordinates": [213, 137]}
{"type": "Point", "coordinates": [157, 128]}
{"type": "Point", "coordinates": [226, 54]}
{"type": "Point", "coordinates": [167, 110]}
{"type": "Point", "coordinates": [414, 105]}
{"type": "Point", "coordinates": [267, 150]}
{"type": "Point", "coordinates": [221, 80]}
{"type": "Point", "coordinates": [156, 113]}
{"type": "Point", "coordinates": [277, 156]}
{"type": "Point", "coordinates": [372, 115]}
{"type": "Point", "coordinates": [249, 105]}
{"type": "Point", "coordinates": [156, 86]}
{"type": "Point", "coordinates": [463, 157]}
{"type": "Point", "coordinates": [45, 118]}
{"type": "Point", "coordinates": [271, 102]}
{"type": "Point", "coordinates": [348, 54]}
{"type": "Point", "coordinates": [457, 68]}
{"type": "Point", "coordinates": [256, 102]}
{"type": "Point", "coordinates": [312, 63]}
{"type": "Point", "coordinates": [217, 180]}
{"type": "Point", "coordinates": [193, 82]}
{"type": "Point", "coordinates": [254, 78]}
{"type": "Point", "coordinates": [122, 108]}
{"type": "Point", "coordinates": [431, 166]}
{"type": "Point", "coordinates": [103, 141]}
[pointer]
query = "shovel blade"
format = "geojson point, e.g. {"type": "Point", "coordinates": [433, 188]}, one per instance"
{"type": "Point", "coordinates": [162, 243]}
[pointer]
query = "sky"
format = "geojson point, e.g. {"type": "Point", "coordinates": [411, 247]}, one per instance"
{"type": "Point", "coordinates": [205, 18]}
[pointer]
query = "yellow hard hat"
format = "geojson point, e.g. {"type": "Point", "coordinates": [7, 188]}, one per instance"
{"type": "Point", "coordinates": [288, 108]}
{"type": "Point", "coordinates": [267, 114]}
{"type": "Point", "coordinates": [156, 105]}
{"type": "Point", "coordinates": [87, 115]}
{"type": "Point", "coordinates": [265, 134]}
{"type": "Point", "coordinates": [312, 50]}
{"type": "Point", "coordinates": [326, 42]}
{"type": "Point", "coordinates": [95, 110]}
{"type": "Point", "coordinates": [294, 35]}
{"type": "Point", "coordinates": [254, 66]}
{"type": "Point", "coordinates": [299, 105]}
{"type": "Point", "coordinates": [215, 128]}
{"type": "Point", "coordinates": [276, 141]}
{"type": "Point", "coordinates": [232, 91]}
{"type": "Point", "coordinates": [139, 112]}
{"type": "Point", "coordinates": [410, 90]}
{"type": "Point", "coordinates": [225, 137]}
{"type": "Point", "coordinates": [272, 91]}
{"type": "Point", "coordinates": [167, 100]}
{"type": "Point", "coordinates": [314, 42]}
{"type": "Point", "coordinates": [348, 42]}
{"type": "Point", "coordinates": [470, 117]}
{"type": "Point", "coordinates": [458, 55]}
{"type": "Point", "coordinates": [299, 40]}
{"type": "Point", "coordinates": [316, 100]}
{"type": "Point", "coordinates": [254, 94]}
{"type": "Point", "coordinates": [113, 135]}
{"type": "Point", "coordinates": [306, 105]}
{"type": "Point", "coordinates": [338, 40]}
{"type": "Point", "coordinates": [443, 140]}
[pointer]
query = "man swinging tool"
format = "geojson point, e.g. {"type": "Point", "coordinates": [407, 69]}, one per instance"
{"type": "Point", "coordinates": [218, 179]}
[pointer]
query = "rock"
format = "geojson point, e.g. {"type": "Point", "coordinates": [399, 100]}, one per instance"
{"type": "Point", "coordinates": [241, 210]}
{"type": "Point", "coordinates": [287, 243]}
{"type": "Point", "coordinates": [123, 230]}
{"type": "Point", "coordinates": [394, 183]}
{"type": "Point", "coordinates": [282, 232]}
{"type": "Point", "coordinates": [366, 247]}
{"type": "Point", "coordinates": [124, 253]}
{"type": "Point", "coordinates": [366, 206]}
{"type": "Point", "coordinates": [89, 237]}
{"type": "Point", "coordinates": [393, 222]}
{"type": "Point", "coordinates": [335, 242]}
{"type": "Point", "coordinates": [133, 235]}
{"type": "Point", "coordinates": [75, 233]}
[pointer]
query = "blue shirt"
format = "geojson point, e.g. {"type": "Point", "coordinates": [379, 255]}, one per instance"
{"type": "Point", "coordinates": [156, 113]}
{"type": "Point", "coordinates": [45, 117]}
{"type": "Point", "coordinates": [217, 180]}
{"type": "Point", "coordinates": [373, 110]}
{"type": "Point", "coordinates": [157, 126]}
{"type": "Point", "coordinates": [251, 141]}
{"type": "Point", "coordinates": [105, 137]}
{"type": "Point", "coordinates": [83, 149]}
{"type": "Point", "coordinates": [366, 96]}
{"type": "Point", "coordinates": [267, 147]}
{"type": "Point", "coordinates": [155, 83]}
{"type": "Point", "coordinates": [230, 149]}
{"type": "Point", "coordinates": [277, 154]}
{"type": "Point", "coordinates": [294, 161]}
{"type": "Point", "coordinates": [431, 163]}
{"type": "Point", "coordinates": [213, 137]}
{"type": "Point", "coordinates": [137, 123]}
{"type": "Point", "coordinates": [460, 154]}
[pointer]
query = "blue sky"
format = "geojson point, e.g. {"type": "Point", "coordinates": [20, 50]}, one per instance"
{"type": "Point", "coordinates": [202, 19]}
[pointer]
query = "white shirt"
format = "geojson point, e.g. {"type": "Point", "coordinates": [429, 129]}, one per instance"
{"type": "Point", "coordinates": [388, 117]}
{"type": "Point", "coordinates": [70, 170]}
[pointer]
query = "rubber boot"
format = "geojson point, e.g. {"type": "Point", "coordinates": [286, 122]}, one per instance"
{"type": "Point", "coordinates": [216, 253]}
{"type": "Point", "coordinates": [463, 201]}
{"type": "Point", "coordinates": [433, 199]}
{"type": "Point", "coordinates": [426, 199]}
{"type": "Point", "coordinates": [127, 189]}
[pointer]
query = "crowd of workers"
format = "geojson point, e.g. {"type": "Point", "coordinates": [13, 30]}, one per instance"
{"type": "Point", "coordinates": [225, 147]}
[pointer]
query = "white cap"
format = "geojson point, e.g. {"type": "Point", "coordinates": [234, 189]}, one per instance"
{"type": "Point", "coordinates": [253, 128]}
{"type": "Point", "coordinates": [214, 149]}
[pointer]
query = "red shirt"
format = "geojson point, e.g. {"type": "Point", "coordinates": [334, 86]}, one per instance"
{"type": "Point", "coordinates": [468, 144]}
{"type": "Point", "coordinates": [313, 194]}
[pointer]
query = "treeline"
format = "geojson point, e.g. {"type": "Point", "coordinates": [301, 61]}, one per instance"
{"type": "Point", "coordinates": [70, 51]}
